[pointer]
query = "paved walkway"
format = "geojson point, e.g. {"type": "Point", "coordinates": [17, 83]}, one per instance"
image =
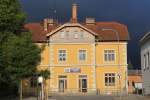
{"type": "Point", "coordinates": [132, 97]}
{"type": "Point", "coordinates": [129, 97]}
{"type": "Point", "coordinates": [82, 98]}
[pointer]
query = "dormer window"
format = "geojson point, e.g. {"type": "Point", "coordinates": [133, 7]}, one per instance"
{"type": "Point", "coordinates": [76, 34]}
{"type": "Point", "coordinates": [81, 34]}
{"type": "Point", "coordinates": [62, 35]}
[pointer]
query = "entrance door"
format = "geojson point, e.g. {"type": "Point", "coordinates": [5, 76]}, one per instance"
{"type": "Point", "coordinates": [83, 83]}
{"type": "Point", "coordinates": [62, 84]}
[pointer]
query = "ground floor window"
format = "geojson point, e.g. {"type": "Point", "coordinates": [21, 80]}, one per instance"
{"type": "Point", "coordinates": [109, 79]}
{"type": "Point", "coordinates": [82, 83]}
{"type": "Point", "coordinates": [62, 83]}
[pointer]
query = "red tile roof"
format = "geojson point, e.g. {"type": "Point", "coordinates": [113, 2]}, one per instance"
{"type": "Point", "coordinates": [38, 33]}
{"type": "Point", "coordinates": [107, 31]}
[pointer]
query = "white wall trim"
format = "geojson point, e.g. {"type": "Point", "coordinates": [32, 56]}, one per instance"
{"type": "Point", "coordinates": [101, 65]}
{"type": "Point", "coordinates": [99, 43]}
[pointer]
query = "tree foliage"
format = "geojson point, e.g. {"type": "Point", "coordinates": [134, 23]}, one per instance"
{"type": "Point", "coordinates": [130, 66]}
{"type": "Point", "coordinates": [19, 56]}
{"type": "Point", "coordinates": [11, 16]}
{"type": "Point", "coordinates": [45, 74]}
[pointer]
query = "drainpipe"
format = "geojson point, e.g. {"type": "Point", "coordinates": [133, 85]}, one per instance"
{"type": "Point", "coordinates": [95, 86]}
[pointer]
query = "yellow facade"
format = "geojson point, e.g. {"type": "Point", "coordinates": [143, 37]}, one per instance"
{"type": "Point", "coordinates": [94, 67]}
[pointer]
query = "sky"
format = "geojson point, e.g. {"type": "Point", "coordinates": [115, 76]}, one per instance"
{"type": "Point", "coordinates": [133, 13]}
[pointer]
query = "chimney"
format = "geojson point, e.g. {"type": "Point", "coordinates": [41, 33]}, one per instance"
{"type": "Point", "coordinates": [45, 24]}
{"type": "Point", "coordinates": [48, 22]}
{"type": "Point", "coordinates": [90, 21]}
{"type": "Point", "coordinates": [74, 13]}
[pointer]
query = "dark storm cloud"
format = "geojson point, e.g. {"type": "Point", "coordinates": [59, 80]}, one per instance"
{"type": "Point", "coordinates": [133, 13]}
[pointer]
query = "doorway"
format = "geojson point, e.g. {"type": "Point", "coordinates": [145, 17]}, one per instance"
{"type": "Point", "coordinates": [83, 83]}
{"type": "Point", "coordinates": [62, 83]}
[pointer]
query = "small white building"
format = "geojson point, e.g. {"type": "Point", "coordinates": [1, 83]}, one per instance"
{"type": "Point", "coordinates": [145, 62]}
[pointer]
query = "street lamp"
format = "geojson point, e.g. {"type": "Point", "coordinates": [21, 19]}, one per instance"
{"type": "Point", "coordinates": [40, 81]}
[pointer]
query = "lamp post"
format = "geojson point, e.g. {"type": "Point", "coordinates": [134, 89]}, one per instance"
{"type": "Point", "coordinates": [40, 81]}
{"type": "Point", "coordinates": [118, 39]}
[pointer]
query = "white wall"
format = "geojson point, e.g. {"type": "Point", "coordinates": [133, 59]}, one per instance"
{"type": "Point", "coordinates": [145, 48]}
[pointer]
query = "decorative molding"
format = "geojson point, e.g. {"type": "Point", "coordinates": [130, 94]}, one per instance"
{"type": "Point", "coordinates": [71, 25]}
{"type": "Point", "coordinates": [67, 65]}
{"type": "Point", "coordinates": [99, 43]}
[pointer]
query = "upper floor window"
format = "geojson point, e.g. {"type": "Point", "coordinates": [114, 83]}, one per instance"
{"type": "Point", "coordinates": [82, 55]}
{"type": "Point", "coordinates": [76, 34]}
{"type": "Point", "coordinates": [148, 60]}
{"type": "Point", "coordinates": [62, 55]}
{"type": "Point", "coordinates": [109, 55]}
{"type": "Point", "coordinates": [82, 34]}
{"type": "Point", "coordinates": [62, 34]}
{"type": "Point", "coordinates": [144, 62]}
{"type": "Point", "coordinates": [109, 79]}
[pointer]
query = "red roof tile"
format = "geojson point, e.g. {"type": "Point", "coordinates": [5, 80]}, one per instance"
{"type": "Point", "coordinates": [112, 29]}
{"type": "Point", "coordinates": [109, 31]}
{"type": "Point", "coordinates": [38, 33]}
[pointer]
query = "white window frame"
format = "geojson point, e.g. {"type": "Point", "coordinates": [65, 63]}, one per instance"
{"type": "Point", "coordinates": [62, 58]}
{"type": "Point", "coordinates": [76, 34]}
{"type": "Point", "coordinates": [147, 62]}
{"type": "Point", "coordinates": [81, 34]}
{"type": "Point", "coordinates": [110, 82]}
{"type": "Point", "coordinates": [144, 62]}
{"type": "Point", "coordinates": [62, 34]}
{"type": "Point", "coordinates": [79, 55]}
{"type": "Point", "coordinates": [107, 54]}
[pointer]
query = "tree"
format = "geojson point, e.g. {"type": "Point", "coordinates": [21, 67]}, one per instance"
{"type": "Point", "coordinates": [130, 66]}
{"type": "Point", "coordinates": [45, 74]}
{"type": "Point", "coordinates": [20, 56]}
{"type": "Point", "coordinates": [11, 16]}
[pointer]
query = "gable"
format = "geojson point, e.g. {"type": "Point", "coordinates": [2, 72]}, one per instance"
{"type": "Point", "coordinates": [72, 34]}
{"type": "Point", "coordinates": [71, 25]}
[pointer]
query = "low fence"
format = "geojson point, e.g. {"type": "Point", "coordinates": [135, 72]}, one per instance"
{"type": "Point", "coordinates": [34, 92]}
{"type": "Point", "coordinates": [104, 91]}
{"type": "Point", "coordinates": [56, 91]}
{"type": "Point", "coordinates": [30, 92]}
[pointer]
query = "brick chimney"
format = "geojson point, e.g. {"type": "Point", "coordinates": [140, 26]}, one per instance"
{"type": "Point", "coordinates": [48, 22]}
{"type": "Point", "coordinates": [45, 24]}
{"type": "Point", "coordinates": [74, 13]}
{"type": "Point", "coordinates": [90, 21]}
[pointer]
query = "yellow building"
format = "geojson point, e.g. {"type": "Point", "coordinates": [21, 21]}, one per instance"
{"type": "Point", "coordinates": [89, 57]}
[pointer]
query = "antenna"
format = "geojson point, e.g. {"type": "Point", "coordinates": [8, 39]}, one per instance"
{"type": "Point", "coordinates": [74, 1]}
{"type": "Point", "coordinates": [55, 9]}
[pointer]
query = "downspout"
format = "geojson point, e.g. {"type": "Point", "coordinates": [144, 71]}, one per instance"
{"type": "Point", "coordinates": [95, 85]}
